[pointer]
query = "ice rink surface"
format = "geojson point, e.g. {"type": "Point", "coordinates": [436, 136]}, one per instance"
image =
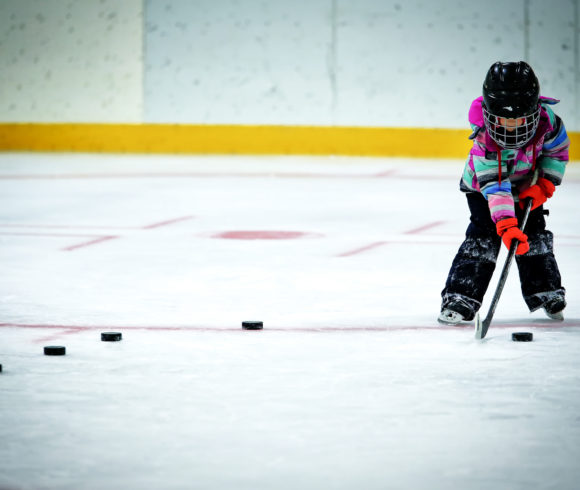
{"type": "Point", "coordinates": [351, 384]}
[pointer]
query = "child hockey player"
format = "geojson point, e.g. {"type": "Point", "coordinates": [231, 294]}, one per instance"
{"type": "Point", "coordinates": [515, 132]}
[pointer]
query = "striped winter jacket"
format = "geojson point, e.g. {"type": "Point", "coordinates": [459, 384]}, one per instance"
{"type": "Point", "coordinates": [500, 175]}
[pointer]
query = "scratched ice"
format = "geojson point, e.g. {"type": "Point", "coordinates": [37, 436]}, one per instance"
{"type": "Point", "coordinates": [351, 384]}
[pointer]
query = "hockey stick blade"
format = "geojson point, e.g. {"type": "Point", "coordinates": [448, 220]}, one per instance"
{"type": "Point", "coordinates": [481, 327]}
{"type": "Point", "coordinates": [479, 333]}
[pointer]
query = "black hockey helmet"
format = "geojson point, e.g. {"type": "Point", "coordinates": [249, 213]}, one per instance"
{"type": "Point", "coordinates": [511, 91]}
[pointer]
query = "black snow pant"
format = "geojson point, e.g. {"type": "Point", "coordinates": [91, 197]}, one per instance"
{"type": "Point", "coordinates": [474, 264]}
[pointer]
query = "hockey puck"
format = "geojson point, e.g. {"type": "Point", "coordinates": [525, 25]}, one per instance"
{"type": "Point", "coordinates": [522, 336]}
{"type": "Point", "coordinates": [111, 336]}
{"type": "Point", "coordinates": [252, 325]}
{"type": "Point", "coordinates": [0, 368]}
{"type": "Point", "coordinates": [54, 350]}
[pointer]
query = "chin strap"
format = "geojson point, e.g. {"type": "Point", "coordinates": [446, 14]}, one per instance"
{"type": "Point", "coordinates": [499, 164]}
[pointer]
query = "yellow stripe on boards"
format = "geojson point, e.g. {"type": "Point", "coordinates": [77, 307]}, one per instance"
{"type": "Point", "coordinates": [241, 139]}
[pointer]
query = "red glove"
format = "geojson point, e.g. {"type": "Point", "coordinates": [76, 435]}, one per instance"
{"type": "Point", "coordinates": [539, 193]}
{"type": "Point", "coordinates": [508, 230]}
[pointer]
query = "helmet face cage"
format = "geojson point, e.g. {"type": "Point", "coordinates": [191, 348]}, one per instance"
{"type": "Point", "coordinates": [511, 136]}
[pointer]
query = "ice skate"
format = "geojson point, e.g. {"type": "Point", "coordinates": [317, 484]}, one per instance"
{"type": "Point", "coordinates": [555, 309]}
{"type": "Point", "coordinates": [450, 317]}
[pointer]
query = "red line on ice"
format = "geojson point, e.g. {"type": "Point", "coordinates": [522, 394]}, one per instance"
{"type": "Point", "coordinates": [56, 336]}
{"type": "Point", "coordinates": [387, 173]}
{"type": "Point", "coordinates": [371, 246]}
{"type": "Point", "coordinates": [421, 229]}
{"type": "Point", "coordinates": [96, 239]}
{"type": "Point", "coordinates": [89, 243]}
{"type": "Point", "coordinates": [71, 329]}
{"type": "Point", "coordinates": [390, 242]}
{"type": "Point", "coordinates": [362, 249]}
{"type": "Point", "coordinates": [69, 227]}
{"type": "Point", "coordinates": [67, 235]}
{"type": "Point", "coordinates": [96, 227]}
{"type": "Point", "coordinates": [166, 223]}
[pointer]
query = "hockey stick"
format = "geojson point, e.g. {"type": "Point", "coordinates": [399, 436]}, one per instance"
{"type": "Point", "coordinates": [481, 327]}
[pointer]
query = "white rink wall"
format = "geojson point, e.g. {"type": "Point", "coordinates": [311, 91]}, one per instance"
{"type": "Point", "coordinates": [308, 62]}
{"type": "Point", "coordinates": [73, 61]}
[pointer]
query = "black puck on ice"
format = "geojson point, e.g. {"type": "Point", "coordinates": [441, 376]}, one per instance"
{"type": "Point", "coordinates": [0, 368]}
{"type": "Point", "coordinates": [54, 350]}
{"type": "Point", "coordinates": [111, 336]}
{"type": "Point", "coordinates": [253, 325]}
{"type": "Point", "coordinates": [522, 336]}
